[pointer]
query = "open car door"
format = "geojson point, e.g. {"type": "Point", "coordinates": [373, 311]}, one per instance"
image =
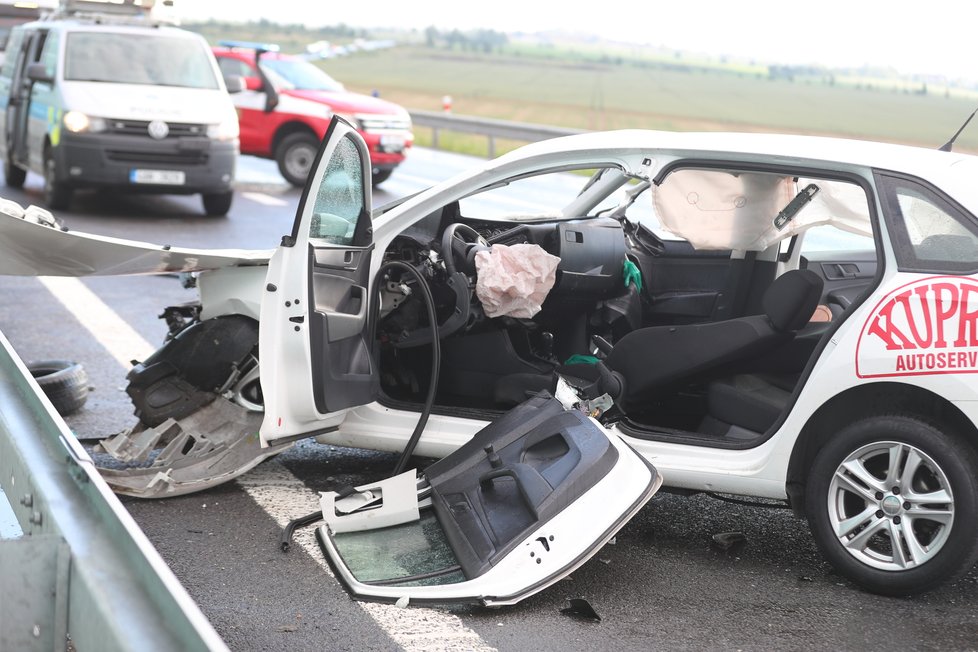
{"type": "Point", "coordinates": [313, 345]}
{"type": "Point", "coordinates": [527, 500]}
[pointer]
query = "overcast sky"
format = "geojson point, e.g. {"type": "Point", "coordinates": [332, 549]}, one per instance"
{"type": "Point", "coordinates": [936, 37]}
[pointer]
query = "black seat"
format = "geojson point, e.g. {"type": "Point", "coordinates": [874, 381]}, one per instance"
{"type": "Point", "coordinates": [659, 357]}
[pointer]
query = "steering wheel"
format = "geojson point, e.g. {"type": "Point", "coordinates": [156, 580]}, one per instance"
{"type": "Point", "coordinates": [455, 242]}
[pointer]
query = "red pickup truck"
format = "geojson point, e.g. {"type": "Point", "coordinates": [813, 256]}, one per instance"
{"type": "Point", "coordinates": [288, 103]}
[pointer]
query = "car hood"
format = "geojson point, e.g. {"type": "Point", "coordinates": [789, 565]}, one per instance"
{"type": "Point", "coordinates": [31, 246]}
{"type": "Point", "coordinates": [140, 102]}
{"type": "Point", "coordinates": [345, 102]}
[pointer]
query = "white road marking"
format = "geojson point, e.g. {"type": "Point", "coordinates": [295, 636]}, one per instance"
{"type": "Point", "coordinates": [265, 200]}
{"type": "Point", "coordinates": [113, 332]}
{"type": "Point", "coordinates": [273, 487]}
{"type": "Point", "coordinates": [284, 497]}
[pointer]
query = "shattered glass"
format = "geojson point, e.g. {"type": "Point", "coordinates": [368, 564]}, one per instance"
{"type": "Point", "coordinates": [403, 551]}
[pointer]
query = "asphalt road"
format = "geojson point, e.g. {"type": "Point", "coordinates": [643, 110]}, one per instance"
{"type": "Point", "coordinates": [659, 586]}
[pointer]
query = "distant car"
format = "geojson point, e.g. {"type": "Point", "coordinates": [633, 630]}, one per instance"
{"type": "Point", "coordinates": [104, 95]}
{"type": "Point", "coordinates": [288, 104]}
{"type": "Point", "coordinates": [781, 317]}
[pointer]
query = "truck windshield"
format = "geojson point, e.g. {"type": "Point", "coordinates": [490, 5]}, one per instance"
{"type": "Point", "coordinates": [150, 59]}
{"type": "Point", "coordinates": [300, 75]}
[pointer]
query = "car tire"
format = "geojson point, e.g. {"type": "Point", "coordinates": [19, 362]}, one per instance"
{"type": "Point", "coordinates": [922, 480]}
{"type": "Point", "coordinates": [380, 176]}
{"type": "Point", "coordinates": [64, 382]}
{"type": "Point", "coordinates": [57, 194]}
{"type": "Point", "coordinates": [14, 176]}
{"type": "Point", "coordinates": [217, 204]}
{"type": "Point", "coordinates": [295, 155]}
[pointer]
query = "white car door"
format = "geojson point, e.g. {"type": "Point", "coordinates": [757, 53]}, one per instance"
{"type": "Point", "coordinates": [313, 345]}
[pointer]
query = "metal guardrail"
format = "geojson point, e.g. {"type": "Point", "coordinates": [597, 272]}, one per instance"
{"type": "Point", "coordinates": [82, 568]}
{"type": "Point", "coordinates": [489, 127]}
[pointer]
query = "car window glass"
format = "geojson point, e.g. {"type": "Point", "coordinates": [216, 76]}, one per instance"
{"type": "Point", "coordinates": [929, 232]}
{"type": "Point", "coordinates": [126, 58]}
{"type": "Point", "coordinates": [49, 54]}
{"type": "Point", "coordinates": [234, 67]}
{"type": "Point", "coordinates": [340, 198]}
{"type": "Point", "coordinates": [538, 197]}
{"type": "Point", "coordinates": [10, 58]}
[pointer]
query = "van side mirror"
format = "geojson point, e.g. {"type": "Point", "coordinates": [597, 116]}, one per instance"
{"type": "Point", "coordinates": [252, 83]}
{"type": "Point", "coordinates": [38, 72]}
{"type": "Point", "coordinates": [234, 83]}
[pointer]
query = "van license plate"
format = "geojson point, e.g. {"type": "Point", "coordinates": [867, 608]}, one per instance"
{"type": "Point", "coordinates": [168, 177]}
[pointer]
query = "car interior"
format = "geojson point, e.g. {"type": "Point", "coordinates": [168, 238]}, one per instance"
{"type": "Point", "coordinates": [696, 305]}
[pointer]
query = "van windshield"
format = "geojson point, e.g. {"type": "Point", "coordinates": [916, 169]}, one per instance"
{"type": "Point", "coordinates": [153, 60]}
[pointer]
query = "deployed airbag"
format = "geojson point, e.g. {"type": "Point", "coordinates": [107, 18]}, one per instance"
{"type": "Point", "coordinates": [514, 280]}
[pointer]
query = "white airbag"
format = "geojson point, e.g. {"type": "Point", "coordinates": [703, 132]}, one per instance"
{"type": "Point", "coordinates": [514, 280]}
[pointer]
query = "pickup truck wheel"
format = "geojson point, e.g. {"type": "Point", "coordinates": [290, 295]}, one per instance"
{"type": "Point", "coordinates": [380, 176]}
{"type": "Point", "coordinates": [13, 175]}
{"type": "Point", "coordinates": [295, 155]}
{"type": "Point", "coordinates": [893, 503]}
{"type": "Point", "coordinates": [57, 194]}
{"type": "Point", "coordinates": [217, 204]}
{"type": "Point", "coordinates": [65, 383]}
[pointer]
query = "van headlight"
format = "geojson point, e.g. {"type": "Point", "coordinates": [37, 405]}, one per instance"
{"type": "Point", "coordinates": [227, 130]}
{"type": "Point", "coordinates": [78, 122]}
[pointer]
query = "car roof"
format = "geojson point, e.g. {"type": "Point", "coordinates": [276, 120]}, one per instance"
{"type": "Point", "coordinates": [950, 168]}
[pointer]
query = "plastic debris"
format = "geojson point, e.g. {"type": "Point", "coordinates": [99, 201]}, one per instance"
{"type": "Point", "coordinates": [581, 609]}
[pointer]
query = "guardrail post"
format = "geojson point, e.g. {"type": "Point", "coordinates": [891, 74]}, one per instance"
{"type": "Point", "coordinates": [434, 138]}
{"type": "Point", "coordinates": [492, 146]}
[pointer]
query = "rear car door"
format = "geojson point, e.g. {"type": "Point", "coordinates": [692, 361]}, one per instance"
{"type": "Point", "coordinates": [314, 348]}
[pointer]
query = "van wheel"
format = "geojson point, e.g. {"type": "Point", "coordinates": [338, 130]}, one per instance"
{"type": "Point", "coordinates": [57, 194]}
{"type": "Point", "coordinates": [13, 175]}
{"type": "Point", "coordinates": [893, 503]}
{"type": "Point", "coordinates": [295, 155]}
{"type": "Point", "coordinates": [217, 204]}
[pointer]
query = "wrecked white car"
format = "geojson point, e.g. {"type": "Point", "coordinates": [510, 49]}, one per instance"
{"type": "Point", "coordinates": [788, 318]}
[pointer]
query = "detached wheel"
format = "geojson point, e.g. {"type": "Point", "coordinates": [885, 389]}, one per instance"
{"type": "Point", "coordinates": [295, 155]}
{"type": "Point", "coordinates": [217, 204]}
{"type": "Point", "coordinates": [57, 194]}
{"type": "Point", "coordinates": [65, 383]}
{"type": "Point", "coordinates": [13, 175]}
{"type": "Point", "coordinates": [893, 504]}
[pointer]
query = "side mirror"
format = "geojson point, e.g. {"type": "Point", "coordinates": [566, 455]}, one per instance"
{"type": "Point", "coordinates": [252, 83]}
{"type": "Point", "coordinates": [38, 72]}
{"type": "Point", "coordinates": [235, 83]}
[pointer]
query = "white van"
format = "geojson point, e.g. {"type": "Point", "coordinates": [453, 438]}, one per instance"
{"type": "Point", "coordinates": [95, 100]}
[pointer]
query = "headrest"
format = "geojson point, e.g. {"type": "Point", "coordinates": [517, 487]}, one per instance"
{"type": "Point", "coordinates": [792, 298]}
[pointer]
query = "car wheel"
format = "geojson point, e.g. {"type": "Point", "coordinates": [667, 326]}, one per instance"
{"type": "Point", "coordinates": [893, 504]}
{"type": "Point", "coordinates": [65, 383]}
{"type": "Point", "coordinates": [57, 194]}
{"type": "Point", "coordinates": [380, 176]}
{"type": "Point", "coordinates": [295, 155]}
{"type": "Point", "coordinates": [13, 175]}
{"type": "Point", "coordinates": [217, 204]}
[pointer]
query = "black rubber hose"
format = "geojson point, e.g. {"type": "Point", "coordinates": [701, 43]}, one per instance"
{"type": "Point", "coordinates": [435, 354]}
{"type": "Point", "coordinates": [285, 541]}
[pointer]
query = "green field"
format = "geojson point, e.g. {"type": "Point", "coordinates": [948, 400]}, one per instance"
{"type": "Point", "coordinates": [595, 95]}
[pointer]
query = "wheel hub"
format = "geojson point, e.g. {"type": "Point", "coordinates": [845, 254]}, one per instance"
{"type": "Point", "coordinates": [892, 505]}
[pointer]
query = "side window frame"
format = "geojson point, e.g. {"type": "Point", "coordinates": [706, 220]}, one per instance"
{"type": "Point", "coordinates": [888, 185]}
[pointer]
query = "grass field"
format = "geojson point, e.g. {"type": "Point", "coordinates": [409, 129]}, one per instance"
{"type": "Point", "coordinates": [596, 95]}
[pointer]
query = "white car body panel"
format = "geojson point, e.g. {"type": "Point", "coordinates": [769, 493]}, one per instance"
{"type": "Point", "coordinates": [757, 471]}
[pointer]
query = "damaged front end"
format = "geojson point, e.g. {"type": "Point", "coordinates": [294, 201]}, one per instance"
{"type": "Point", "coordinates": [199, 403]}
